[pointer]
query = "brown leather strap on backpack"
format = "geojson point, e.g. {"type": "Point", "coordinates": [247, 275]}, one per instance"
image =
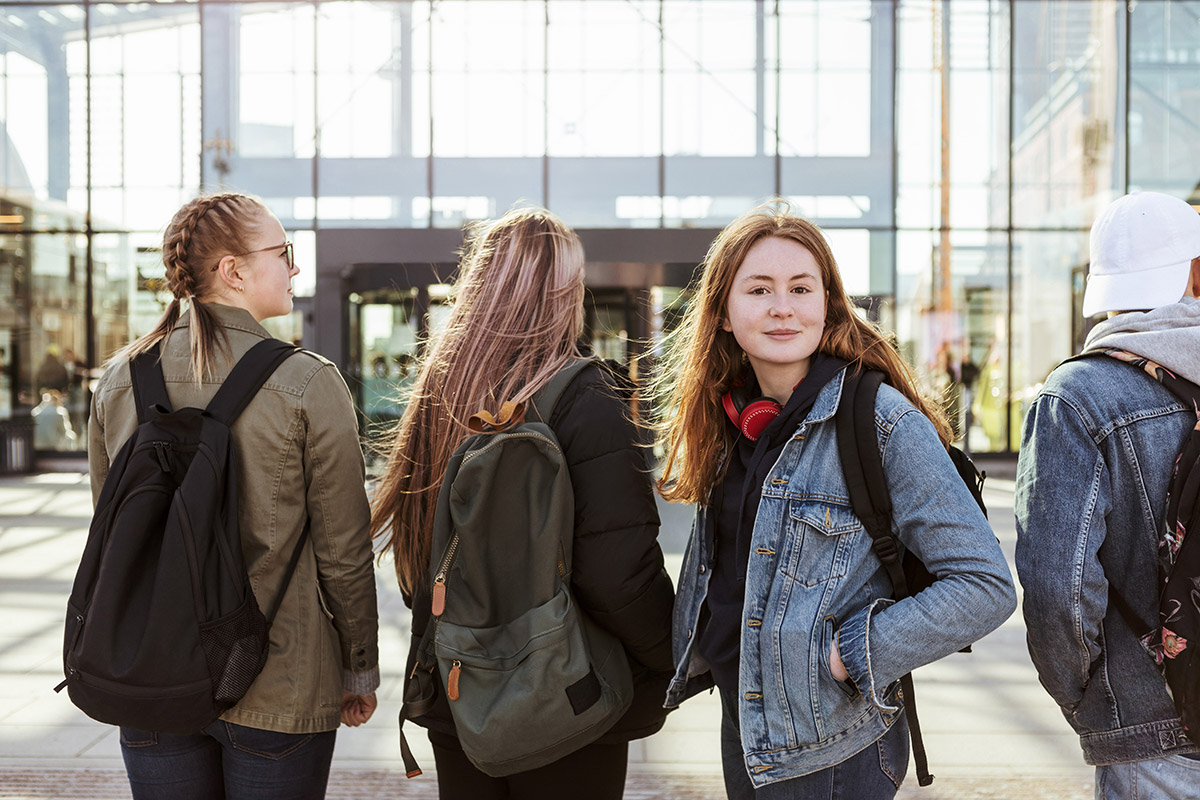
{"type": "Point", "coordinates": [420, 694]}
{"type": "Point", "coordinates": [511, 413]}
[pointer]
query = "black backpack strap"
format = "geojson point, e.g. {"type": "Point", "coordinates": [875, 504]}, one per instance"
{"type": "Point", "coordinates": [547, 397]}
{"type": "Point", "coordinates": [863, 469]}
{"type": "Point", "coordinates": [1185, 484]}
{"type": "Point", "coordinates": [249, 374]}
{"type": "Point", "coordinates": [149, 386]}
{"type": "Point", "coordinates": [862, 466]}
{"type": "Point", "coordinates": [244, 381]}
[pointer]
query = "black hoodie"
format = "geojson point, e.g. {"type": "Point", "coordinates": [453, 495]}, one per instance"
{"type": "Point", "coordinates": [734, 504]}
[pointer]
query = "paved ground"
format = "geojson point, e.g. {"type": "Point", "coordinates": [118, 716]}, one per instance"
{"type": "Point", "coordinates": [990, 730]}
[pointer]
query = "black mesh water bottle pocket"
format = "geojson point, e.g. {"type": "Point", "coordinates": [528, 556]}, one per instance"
{"type": "Point", "coordinates": [235, 648]}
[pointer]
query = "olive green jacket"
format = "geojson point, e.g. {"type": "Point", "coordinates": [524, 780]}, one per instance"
{"type": "Point", "coordinates": [299, 463]}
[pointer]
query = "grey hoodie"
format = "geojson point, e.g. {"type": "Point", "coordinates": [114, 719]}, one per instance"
{"type": "Point", "coordinates": [1168, 335]}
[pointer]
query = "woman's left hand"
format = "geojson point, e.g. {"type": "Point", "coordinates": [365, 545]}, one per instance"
{"type": "Point", "coordinates": [836, 667]}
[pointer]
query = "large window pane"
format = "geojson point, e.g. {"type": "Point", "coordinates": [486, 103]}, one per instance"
{"type": "Point", "coordinates": [51, 370]}
{"type": "Point", "coordinates": [144, 125]}
{"type": "Point", "coordinates": [1048, 270]}
{"type": "Point", "coordinates": [1164, 88]}
{"type": "Point", "coordinates": [36, 99]}
{"type": "Point", "coordinates": [830, 86]}
{"type": "Point", "coordinates": [261, 134]}
{"type": "Point", "coordinates": [126, 271]}
{"type": "Point", "coordinates": [603, 60]}
{"type": "Point", "coordinates": [719, 131]}
{"type": "Point", "coordinates": [1065, 92]}
{"type": "Point", "coordinates": [825, 60]}
{"type": "Point", "coordinates": [952, 325]}
{"type": "Point", "coordinates": [488, 108]}
{"type": "Point", "coordinates": [276, 49]}
{"type": "Point", "coordinates": [953, 152]}
{"type": "Point", "coordinates": [604, 112]}
{"type": "Point", "coordinates": [373, 114]}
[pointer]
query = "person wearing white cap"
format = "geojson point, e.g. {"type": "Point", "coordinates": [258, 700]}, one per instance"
{"type": "Point", "coordinates": [1097, 456]}
{"type": "Point", "coordinates": [1144, 249]}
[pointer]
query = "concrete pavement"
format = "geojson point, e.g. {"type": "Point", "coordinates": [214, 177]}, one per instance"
{"type": "Point", "coordinates": [990, 730]}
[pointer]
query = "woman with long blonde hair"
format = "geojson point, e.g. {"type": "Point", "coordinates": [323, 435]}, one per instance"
{"type": "Point", "coordinates": [516, 322]}
{"type": "Point", "coordinates": [782, 602]}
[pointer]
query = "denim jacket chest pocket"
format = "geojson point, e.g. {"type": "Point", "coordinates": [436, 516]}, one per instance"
{"type": "Point", "coordinates": [820, 540]}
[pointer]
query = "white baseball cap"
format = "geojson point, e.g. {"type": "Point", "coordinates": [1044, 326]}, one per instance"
{"type": "Point", "coordinates": [1142, 249]}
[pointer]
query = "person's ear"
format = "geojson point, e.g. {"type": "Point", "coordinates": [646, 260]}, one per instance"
{"type": "Point", "coordinates": [228, 274]}
{"type": "Point", "coordinates": [1194, 279]}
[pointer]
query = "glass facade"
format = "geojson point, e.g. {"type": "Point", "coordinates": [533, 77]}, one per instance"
{"type": "Point", "coordinates": [955, 150]}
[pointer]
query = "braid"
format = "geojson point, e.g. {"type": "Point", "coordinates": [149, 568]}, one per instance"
{"type": "Point", "coordinates": [175, 255]}
{"type": "Point", "coordinates": [193, 241]}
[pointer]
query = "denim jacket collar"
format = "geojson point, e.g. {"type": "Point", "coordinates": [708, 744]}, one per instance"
{"type": "Point", "coordinates": [828, 400]}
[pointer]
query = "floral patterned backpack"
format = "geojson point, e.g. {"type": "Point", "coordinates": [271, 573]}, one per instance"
{"type": "Point", "coordinates": [1175, 641]}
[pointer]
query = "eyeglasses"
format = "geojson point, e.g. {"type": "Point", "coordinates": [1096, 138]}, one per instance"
{"type": "Point", "coordinates": [287, 251]}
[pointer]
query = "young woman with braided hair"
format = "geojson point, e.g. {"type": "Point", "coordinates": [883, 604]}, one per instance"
{"type": "Point", "coordinates": [228, 267]}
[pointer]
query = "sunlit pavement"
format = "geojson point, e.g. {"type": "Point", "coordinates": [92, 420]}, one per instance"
{"type": "Point", "coordinates": [990, 730]}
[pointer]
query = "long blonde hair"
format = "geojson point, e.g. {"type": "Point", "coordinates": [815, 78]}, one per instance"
{"type": "Point", "coordinates": [202, 232]}
{"type": "Point", "coordinates": [517, 319]}
{"type": "Point", "coordinates": [702, 360]}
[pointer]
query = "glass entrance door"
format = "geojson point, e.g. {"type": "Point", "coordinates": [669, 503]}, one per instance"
{"type": "Point", "coordinates": [387, 325]}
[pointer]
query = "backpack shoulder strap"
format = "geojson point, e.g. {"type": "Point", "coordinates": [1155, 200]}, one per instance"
{"type": "Point", "coordinates": [249, 374]}
{"type": "Point", "coordinates": [546, 398]}
{"type": "Point", "coordinates": [862, 466]}
{"type": "Point", "coordinates": [149, 386]}
{"type": "Point", "coordinates": [863, 469]}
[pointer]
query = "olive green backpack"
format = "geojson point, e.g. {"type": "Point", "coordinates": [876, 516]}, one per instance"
{"type": "Point", "coordinates": [529, 678]}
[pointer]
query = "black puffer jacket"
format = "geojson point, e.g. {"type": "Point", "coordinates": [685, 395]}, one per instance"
{"type": "Point", "coordinates": [617, 568]}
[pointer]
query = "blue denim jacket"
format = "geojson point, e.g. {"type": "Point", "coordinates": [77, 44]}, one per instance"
{"type": "Point", "coordinates": [813, 577]}
{"type": "Point", "coordinates": [1096, 459]}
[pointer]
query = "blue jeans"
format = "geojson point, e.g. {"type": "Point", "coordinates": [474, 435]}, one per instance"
{"type": "Point", "coordinates": [227, 760]}
{"type": "Point", "coordinates": [871, 774]}
{"type": "Point", "coordinates": [1171, 778]}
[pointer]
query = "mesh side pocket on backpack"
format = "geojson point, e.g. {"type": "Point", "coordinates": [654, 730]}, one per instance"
{"type": "Point", "coordinates": [235, 648]}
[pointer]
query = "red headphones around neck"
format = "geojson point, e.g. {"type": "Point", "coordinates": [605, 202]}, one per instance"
{"type": "Point", "coordinates": [751, 417]}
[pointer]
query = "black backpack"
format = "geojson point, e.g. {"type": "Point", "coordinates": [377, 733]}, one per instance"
{"type": "Point", "coordinates": [862, 465]}
{"type": "Point", "coordinates": [163, 630]}
{"type": "Point", "coordinates": [1172, 641]}
{"type": "Point", "coordinates": [528, 677]}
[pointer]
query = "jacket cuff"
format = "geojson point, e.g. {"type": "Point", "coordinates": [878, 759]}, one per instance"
{"type": "Point", "coordinates": [854, 646]}
{"type": "Point", "coordinates": [360, 682]}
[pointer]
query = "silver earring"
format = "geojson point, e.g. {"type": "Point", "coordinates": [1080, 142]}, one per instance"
{"type": "Point", "coordinates": [241, 288]}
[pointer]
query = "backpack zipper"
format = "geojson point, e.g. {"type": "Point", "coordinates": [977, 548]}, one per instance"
{"type": "Point", "coordinates": [439, 580]}
{"type": "Point", "coordinates": [72, 673]}
{"type": "Point", "coordinates": [522, 434]}
{"type": "Point", "coordinates": [452, 680]}
{"type": "Point", "coordinates": [166, 457]}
